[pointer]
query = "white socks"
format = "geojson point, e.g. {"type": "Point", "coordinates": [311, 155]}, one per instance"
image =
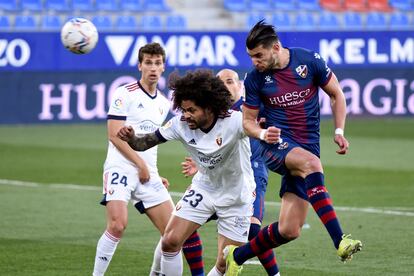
{"type": "Point", "coordinates": [172, 263]}
{"type": "Point", "coordinates": [156, 262]}
{"type": "Point", "coordinates": [214, 272]}
{"type": "Point", "coordinates": [104, 252]}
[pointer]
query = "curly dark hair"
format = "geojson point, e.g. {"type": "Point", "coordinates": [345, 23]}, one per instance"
{"type": "Point", "coordinates": [261, 34]}
{"type": "Point", "coordinates": [203, 88]}
{"type": "Point", "coordinates": [151, 49]}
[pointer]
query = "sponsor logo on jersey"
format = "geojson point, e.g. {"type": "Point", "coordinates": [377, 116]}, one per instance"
{"type": "Point", "coordinates": [290, 98]}
{"type": "Point", "coordinates": [209, 161]}
{"type": "Point", "coordinates": [140, 106]}
{"type": "Point", "coordinates": [268, 79]}
{"type": "Point", "coordinates": [192, 142]}
{"type": "Point", "coordinates": [219, 141]}
{"type": "Point", "coordinates": [302, 71]}
{"type": "Point", "coordinates": [148, 126]}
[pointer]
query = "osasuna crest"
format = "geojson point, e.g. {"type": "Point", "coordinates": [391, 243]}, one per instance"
{"type": "Point", "coordinates": [302, 71]}
{"type": "Point", "coordinates": [219, 141]}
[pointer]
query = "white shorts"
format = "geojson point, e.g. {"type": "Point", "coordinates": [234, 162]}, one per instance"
{"type": "Point", "coordinates": [119, 184]}
{"type": "Point", "coordinates": [233, 221]}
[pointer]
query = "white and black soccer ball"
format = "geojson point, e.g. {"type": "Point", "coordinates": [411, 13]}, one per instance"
{"type": "Point", "coordinates": [79, 35]}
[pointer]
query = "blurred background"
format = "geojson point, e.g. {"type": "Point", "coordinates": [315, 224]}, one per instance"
{"type": "Point", "coordinates": [53, 125]}
{"type": "Point", "coordinates": [368, 43]}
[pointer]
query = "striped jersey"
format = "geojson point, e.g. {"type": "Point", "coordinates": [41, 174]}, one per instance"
{"type": "Point", "coordinates": [290, 95]}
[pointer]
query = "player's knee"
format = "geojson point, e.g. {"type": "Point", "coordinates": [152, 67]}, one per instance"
{"type": "Point", "coordinates": [290, 233]}
{"type": "Point", "coordinates": [117, 228]}
{"type": "Point", "coordinates": [311, 164]}
{"type": "Point", "coordinates": [171, 242]}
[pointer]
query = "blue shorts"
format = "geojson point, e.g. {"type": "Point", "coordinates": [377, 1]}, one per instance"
{"type": "Point", "coordinates": [274, 158]}
{"type": "Point", "coordinates": [258, 204]}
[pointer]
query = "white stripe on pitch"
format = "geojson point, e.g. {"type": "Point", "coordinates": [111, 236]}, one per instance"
{"type": "Point", "coordinates": [369, 210]}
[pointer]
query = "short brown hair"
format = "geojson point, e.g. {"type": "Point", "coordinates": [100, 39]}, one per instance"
{"type": "Point", "coordinates": [153, 48]}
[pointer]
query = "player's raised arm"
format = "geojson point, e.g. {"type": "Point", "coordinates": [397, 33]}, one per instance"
{"type": "Point", "coordinates": [140, 143]}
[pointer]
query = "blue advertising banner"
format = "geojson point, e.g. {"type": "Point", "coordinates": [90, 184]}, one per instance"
{"type": "Point", "coordinates": [118, 51]}
{"type": "Point", "coordinates": [59, 97]}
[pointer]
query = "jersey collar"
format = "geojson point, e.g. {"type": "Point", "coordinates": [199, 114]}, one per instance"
{"type": "Point", "coordinates": [207, 130]}
{"type": "Point", "coordinates": [145, 91]}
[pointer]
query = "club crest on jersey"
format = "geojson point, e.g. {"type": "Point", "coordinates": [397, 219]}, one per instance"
{"type": "Point", "coordinates": [302, 71]}
{"type": "Point", "coordinates": [161, 110]}
{"type": "Point", "coordinates": [219, 141]}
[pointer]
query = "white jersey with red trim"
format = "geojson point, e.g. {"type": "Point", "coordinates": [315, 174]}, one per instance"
{"type": "Point", "coordinates": [222, 154]}
{"type": "Point", "coordinates": [145, 113]}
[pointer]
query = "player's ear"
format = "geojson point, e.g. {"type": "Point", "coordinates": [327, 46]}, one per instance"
{"type": "Point", "coordinates": [139, 67]}
{"type": "Point", "coordinates": [276, 46]}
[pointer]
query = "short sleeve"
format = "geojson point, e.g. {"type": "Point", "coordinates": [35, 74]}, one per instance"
{"type": "Point", "coordinates": [322, 72]}
{"type": "Point", "coordinates": [238, 122]}
{"type": "Point", "coordinates": [252, 84]}
{"type": "Point", "coordinates": [170, 131]}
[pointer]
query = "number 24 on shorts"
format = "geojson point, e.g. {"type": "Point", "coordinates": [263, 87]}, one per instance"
{"type": "Point", "coordinates": [192, 198]}
{"type": "Point", "coordinates": [117, 179]}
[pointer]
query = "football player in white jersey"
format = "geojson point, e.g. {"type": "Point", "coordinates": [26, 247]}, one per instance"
{"type": "Point", "coordinates": [224, 184]}
{"type": "Point", "coordinates": [130, 175]}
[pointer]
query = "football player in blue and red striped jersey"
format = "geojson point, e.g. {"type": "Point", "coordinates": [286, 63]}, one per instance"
{"type": "Point", "coordinates": [286, 81]}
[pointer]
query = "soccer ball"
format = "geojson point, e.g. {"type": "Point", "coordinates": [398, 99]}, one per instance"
{"type": "Point", "coordinates": [79, 35]}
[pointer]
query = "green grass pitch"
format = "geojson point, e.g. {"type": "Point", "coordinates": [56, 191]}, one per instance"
{"type": "Point", "coordinates": [47, 228]}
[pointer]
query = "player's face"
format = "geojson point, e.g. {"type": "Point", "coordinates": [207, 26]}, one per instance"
{"type": "Point", "coordinates": [263, 58]}
{"type": "Point", "coordinates": [151, 68]}
{"type": "Point", "coordinates": [232, 83]}
{"type": "Point", "coordinates": [195, 116]}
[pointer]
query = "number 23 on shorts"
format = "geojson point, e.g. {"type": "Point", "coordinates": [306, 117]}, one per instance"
{"type": "Point", "coordinates": [192, 198]}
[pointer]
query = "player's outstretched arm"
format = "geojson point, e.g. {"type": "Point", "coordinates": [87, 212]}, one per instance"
{"type": "Point", "coordinates": [338, 104]}
{"type": "Point", "coordinates": [140, 143]}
